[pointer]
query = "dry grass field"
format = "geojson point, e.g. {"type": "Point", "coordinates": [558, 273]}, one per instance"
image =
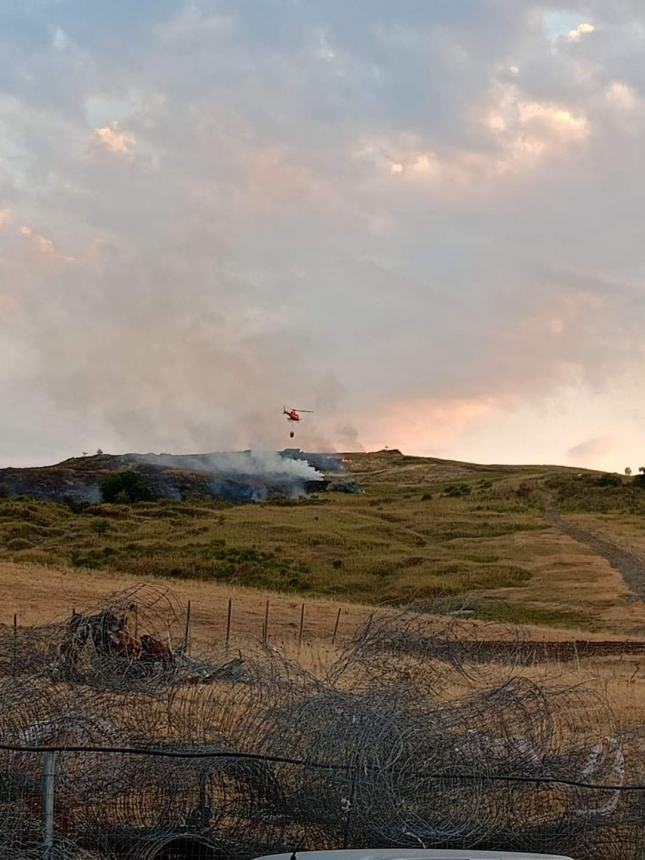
{"type": "Point", "coordinates": [47, 593]}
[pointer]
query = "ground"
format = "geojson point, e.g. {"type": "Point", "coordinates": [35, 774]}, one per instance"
{"type": "Point", "coordinates": [559, 551]}
{"type": "Point", "coordinates": [480, 537]}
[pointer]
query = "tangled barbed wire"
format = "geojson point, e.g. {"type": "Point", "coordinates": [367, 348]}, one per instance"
{"type": "Point", "coordinates": [161, 753]}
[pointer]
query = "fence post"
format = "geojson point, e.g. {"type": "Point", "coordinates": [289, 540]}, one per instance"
{"type": "Point", "coordinates": [265, 626]}
{"type": "Point", "coordinates": [302, 625]}
{"type": "Point", "coordinates": [228, 623]}
{"type": "Point", "coordinates": [48, 790]}
{"type": "Point", "coordinates": [187, 631]}
{"type": "Point", "coordinates": [333, 638]}
{"type": "Point", "coordinates": [14, 656]}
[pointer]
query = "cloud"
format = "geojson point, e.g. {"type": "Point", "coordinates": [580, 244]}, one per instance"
{"type": "Point", "coordinates": [590, 449]}
{"type": "Point", "coordinates": [112, 138]}
{"type": "Point", "coordinates": [578, 32]}
{"type": "Point", "coordinates": [6, 217]}
{"type": "Point", "coordinates": [60, 39]}
{"type": "Point", "coordinates": [523, 133]}
{"type": "Point", "coordinates": [39, 242]}
{"type": "Point", "coordinates": [418, 219]}
{"type": "Point", "coordinates": [622, 96]}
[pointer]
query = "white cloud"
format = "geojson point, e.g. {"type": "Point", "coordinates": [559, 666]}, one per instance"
{"type": "Point", "coordinates": [621, 95]}
{"type": "Point", "coordinates": [578, 32]}
{"type": "Point", "coordinates": [60, 39]}
{"type": "Point", "coordinates": [192, 24]}
{"type": "Point", "coordinates": [43, 246]}
{"type": "Point", "coordinates": [41, 243]}
{"type": "Point", "coordinates": [324, 50]}
{"type": "Point", "coordinates": [526, 133]}
{"type": "Point", "coordinates": [112, 138]}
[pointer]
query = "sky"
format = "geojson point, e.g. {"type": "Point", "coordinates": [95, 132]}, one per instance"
{"type": "Point", "coordinates": [422, 220]}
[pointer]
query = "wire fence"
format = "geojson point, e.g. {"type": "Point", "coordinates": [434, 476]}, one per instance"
{"type": "Point", "coordinates": [117, 743]}
{"type": "Point", "coordinates": [209, 804]}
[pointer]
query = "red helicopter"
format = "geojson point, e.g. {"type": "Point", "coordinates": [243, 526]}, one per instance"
{"type": "Point", "coordinates": [294, 415]}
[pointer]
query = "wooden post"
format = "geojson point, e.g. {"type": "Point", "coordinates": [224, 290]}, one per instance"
{"type": "Point", "coordinates": [48, 788]}
{"type": "Point", "coordinates": [187, 631]}
{"type": "Point", "coordinates": [333, 638]}
{"type": "Point", "coordinates": [14, 661]}
{"type": "Point", "coordinates": [265, 626]}
{"type": "Point", "coordinates": [302, 626]}
{"type": "Point", "coordinates": [228, 623]}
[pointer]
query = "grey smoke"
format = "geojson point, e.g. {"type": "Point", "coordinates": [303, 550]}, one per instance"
{"type": "Point", "coordinates": [262, 464]}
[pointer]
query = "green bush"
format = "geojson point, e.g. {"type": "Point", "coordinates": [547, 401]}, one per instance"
{"type": "Point", "coordinates": [457, 490]}
{"type": "Point", "coordinates": [100, 527]}
{"type": "Point", "coordinates": [19, 543]}
{"type": "Point", "coordinates": [125, 488]}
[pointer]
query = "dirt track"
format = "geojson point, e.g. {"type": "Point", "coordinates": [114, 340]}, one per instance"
{"type": "Point", "coordinates": [631, 567]}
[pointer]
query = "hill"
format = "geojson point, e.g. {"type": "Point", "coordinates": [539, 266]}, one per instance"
{"type": "Point", "coordinates": [241, 476]}
{"type": "Point", "coordinates": [537, 544]}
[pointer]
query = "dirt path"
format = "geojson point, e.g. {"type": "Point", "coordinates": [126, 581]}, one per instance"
{"type": "Point", "coordinates": [630, 566]}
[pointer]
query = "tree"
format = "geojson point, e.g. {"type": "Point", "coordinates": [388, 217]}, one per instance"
{"type": "Point", "coordinates": [100, 527]}
{"type": "Point", "coordinates": [125, 488]}
{"type": "Point", "coordinates": [628, 471]}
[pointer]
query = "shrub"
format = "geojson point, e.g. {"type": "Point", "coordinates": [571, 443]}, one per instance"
{"type": "Point", "coordinates": [126, 487]}
{"type": "Point", "coordinates": [457, 490]}
{"type": "Point", "coordinates": [337, 563]}
{"type": "Point", "coordinates": [100, 527]}
{"type": "Point", "coordinates": [524, 490]}
{"type": "Point", "coordinates": [609, 480]}
{"type": "Point", "coordinates": [19, 543]}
